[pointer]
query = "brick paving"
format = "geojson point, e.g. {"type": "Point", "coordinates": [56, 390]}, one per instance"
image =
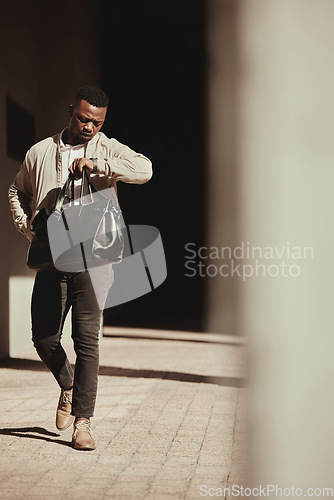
{"type": "Point", "coordinates": [170, 417]}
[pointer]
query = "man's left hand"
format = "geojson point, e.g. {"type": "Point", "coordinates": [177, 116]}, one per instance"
{"type": "Point", "coordinates": [77, 166]}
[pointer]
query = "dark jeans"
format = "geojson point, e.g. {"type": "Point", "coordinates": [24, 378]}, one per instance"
{"type": "Point", "coordinates": [53, 295]}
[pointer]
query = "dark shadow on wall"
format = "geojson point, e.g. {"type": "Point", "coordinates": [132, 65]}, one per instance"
{"type": "Point", "coordinates": [153, 69]}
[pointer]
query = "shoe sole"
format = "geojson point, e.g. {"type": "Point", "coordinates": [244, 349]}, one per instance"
{"type": "Point", "coordinates": [83, 448]}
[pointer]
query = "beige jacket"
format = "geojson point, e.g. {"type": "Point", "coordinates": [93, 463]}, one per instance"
{"type": "Point", "coordinates": [38, 182]}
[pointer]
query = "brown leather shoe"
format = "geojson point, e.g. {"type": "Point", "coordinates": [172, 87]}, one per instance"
{"type": "Point", "coordinates": [63, 417]}
{"type": "Point", "coordinates": [82, 438]}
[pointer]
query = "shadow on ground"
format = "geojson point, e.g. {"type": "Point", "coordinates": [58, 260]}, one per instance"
{"type": "Point", "coordinates": [171, 339]}
{"type": "Point", "coordinates": [114, 371]}
{"type": "Point", "coordinates": [29, 432]}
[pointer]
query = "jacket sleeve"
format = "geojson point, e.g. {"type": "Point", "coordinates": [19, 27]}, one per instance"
{"type": "Point", "coordinates": [125, 165]}
{"type": "Point", "coordinates": [20, 196]}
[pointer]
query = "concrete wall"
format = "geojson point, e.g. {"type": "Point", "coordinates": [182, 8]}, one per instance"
{"type": "Point", "coordinates": [284, 150]}
{"type": "Point", "coordinates": [44, 57]}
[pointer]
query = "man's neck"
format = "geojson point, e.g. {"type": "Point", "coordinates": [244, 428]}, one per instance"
{"type": "Point", "coordinates": [69, 139]}
{"type": "Point", "coordinates": [65, 138]}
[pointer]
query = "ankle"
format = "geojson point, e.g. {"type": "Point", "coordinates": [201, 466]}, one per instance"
{"type": "Point", "coordinates": [78, 419]}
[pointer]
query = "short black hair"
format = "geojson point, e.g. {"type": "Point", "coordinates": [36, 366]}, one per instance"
{"type": "Point", "coordinates": [95, 96]}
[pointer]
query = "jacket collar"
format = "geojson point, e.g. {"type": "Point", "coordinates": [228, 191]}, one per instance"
{"type": "Point", "coordinates": [90, 143]}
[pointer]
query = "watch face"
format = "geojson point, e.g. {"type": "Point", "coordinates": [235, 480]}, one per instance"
{"type": "Point", "coordinates": [94, 165]}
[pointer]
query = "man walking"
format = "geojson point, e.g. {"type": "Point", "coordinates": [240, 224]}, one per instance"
{"type": "Point", "coordinates": [36, 186]}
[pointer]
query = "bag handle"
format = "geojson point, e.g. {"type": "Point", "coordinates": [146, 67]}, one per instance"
{"type": "Point", "coordinates": [69, 184]}
{"type": "Point", "coordinates": [91, 188]}
{"type": "Point", "coordinates": [85, 175]}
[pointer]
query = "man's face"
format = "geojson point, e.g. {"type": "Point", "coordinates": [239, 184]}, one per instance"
{"type": "Point", "coordinates": [86, 121]}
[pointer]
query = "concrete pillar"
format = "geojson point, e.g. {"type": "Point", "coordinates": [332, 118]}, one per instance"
{"type": "Point", "coordinates": [284, 150]}
{"type": "Point", "coordinates": [221, 308]}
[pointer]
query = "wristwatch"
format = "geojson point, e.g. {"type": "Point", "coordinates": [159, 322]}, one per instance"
{"type": "Point", "coordinates": [94, 171]}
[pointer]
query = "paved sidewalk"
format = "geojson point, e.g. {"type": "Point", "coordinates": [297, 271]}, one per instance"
{"type": "Point", "coordinates": [169, 419]}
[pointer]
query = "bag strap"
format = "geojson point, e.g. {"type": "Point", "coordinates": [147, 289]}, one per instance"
{"type": "Point", "coordinates": [63, 194]}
